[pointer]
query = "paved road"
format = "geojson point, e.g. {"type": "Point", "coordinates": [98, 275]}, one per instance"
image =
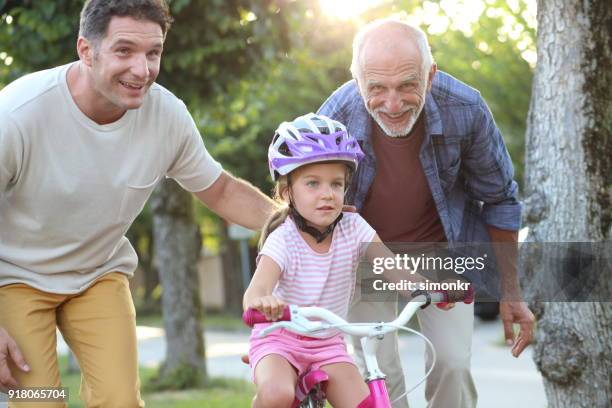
{"type": "Point", "coordinates": [502, 381]}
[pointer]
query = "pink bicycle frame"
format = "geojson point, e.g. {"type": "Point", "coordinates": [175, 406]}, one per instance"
{"type": "Point", "coordinates": [379, 397]}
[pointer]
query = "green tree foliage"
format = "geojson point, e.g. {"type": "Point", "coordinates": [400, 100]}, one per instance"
{"type": "Point", "coordinates": [214, 43]}
{"type": "Point", "coordinates": [36, 35]}
{"type": "Point", "coordinates": [490, 61]}
{"type": "Point", "coordinates": [239, 124]}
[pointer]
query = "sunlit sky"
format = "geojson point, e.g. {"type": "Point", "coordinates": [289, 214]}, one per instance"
{"type": "Point", "coordinates": [440, 16]}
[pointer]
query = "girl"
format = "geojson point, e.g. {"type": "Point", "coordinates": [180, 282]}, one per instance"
{"type": "Point", "coordinates": [308, 253]}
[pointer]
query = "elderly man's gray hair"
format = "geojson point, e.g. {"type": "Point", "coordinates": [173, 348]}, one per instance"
{"type": "Point", "coordinates": [411, 32]}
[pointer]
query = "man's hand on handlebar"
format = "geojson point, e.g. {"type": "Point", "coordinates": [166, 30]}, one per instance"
{"type": "Point", "coordinates": [9, 351]}
{"type": "Point", "coordinates": [465, 296]}
{"type": "Point", "coordinates": [445, 306]}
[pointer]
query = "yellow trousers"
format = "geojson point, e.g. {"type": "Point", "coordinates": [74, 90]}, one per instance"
{"type": "Point", "coordinates": [99, 326]}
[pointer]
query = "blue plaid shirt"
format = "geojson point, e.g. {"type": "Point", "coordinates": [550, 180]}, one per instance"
{"type": "Point", "coordinates": [463, 155]}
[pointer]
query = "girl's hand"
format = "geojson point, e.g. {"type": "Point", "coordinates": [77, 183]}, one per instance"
{"type": "Point", "coordinates": [270, 306]}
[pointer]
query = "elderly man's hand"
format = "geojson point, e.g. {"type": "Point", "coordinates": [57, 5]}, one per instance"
{"type": "Point", "coordinates": [517, 312]}
{"type": "Point", "coordinates": [9, 350]}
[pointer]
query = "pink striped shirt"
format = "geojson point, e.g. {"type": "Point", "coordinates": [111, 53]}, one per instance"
{"type": "Point", "coordinates": [309, 278]}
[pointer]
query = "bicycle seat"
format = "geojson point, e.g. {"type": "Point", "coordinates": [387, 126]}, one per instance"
{"type": "Point", "coordinates": [307, 383]}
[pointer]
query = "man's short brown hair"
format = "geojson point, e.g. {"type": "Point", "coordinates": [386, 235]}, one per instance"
{"type": "Point", "coordinates": [96, 15]}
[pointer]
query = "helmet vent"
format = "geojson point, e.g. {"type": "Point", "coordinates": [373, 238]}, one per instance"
{"type": "Point", "coordinates": [292, 134]}
{"type": "Point", "coordinates": [284, 150]}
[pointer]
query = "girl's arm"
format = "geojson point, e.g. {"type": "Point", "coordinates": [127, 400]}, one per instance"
{"type": "Point", "coordinates": [259, 293]}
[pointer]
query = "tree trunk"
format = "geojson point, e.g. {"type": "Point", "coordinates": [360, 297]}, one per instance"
{"type": "Point", "coordinates": [141, 236]}
{"type": "Point", "coordinates": [568, 180]}
{"type": "Point", "coordinates": [232, 275]}
{"type": "Point", "coordinates": [177, 246]}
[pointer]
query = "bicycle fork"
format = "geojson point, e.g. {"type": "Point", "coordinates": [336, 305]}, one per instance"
{"type": "Point", "coordinates": [379, 396]}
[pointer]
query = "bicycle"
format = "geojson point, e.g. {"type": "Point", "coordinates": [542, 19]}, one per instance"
{"type": "Point", "coordinates": [310, 388]}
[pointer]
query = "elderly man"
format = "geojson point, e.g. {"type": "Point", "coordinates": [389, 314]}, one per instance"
{"type": "Point", "coordinates": [82, 147]}
{"type": "Point", "coordinates": [436, 170]}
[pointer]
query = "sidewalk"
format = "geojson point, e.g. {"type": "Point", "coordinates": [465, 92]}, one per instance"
{"type": "Point", "coordinates": [501, 380]}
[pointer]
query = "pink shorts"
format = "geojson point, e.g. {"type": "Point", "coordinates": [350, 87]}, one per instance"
{"type": "Point", "coordinates": [304, 353]}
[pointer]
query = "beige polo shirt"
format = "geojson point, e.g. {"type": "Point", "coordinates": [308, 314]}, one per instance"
{"type": "Point", "coordinates": [70, 188]}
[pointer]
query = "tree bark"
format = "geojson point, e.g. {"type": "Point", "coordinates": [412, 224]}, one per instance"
{"type": "Point", "coordinates": [177, 247]}
{"type": "Point", "coordinates": [232, 276]}
{"type": "Point", "coordinates": [568, 171]}
{"type": "Point", "coordinates": [142, 238]}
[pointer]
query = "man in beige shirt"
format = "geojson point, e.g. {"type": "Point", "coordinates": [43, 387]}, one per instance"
{"type": "Point", "coordinates": [82, 147]}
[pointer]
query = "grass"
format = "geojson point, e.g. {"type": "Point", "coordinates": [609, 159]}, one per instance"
{"type": "Point", "coordinates": [220, 393]}
{"type": "Point", "coordinates": [212, 321]}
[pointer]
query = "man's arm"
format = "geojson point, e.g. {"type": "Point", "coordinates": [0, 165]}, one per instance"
{"type": "Point", "coordinates": [489, 176]}
{"type": "Point", "coordinates": [259, 293]}
{"type": "Point", "coordinates": [11, 152]}
{"type": "Point", "coordinates": [237, 201]}
{"type": "Point", "coordinates": [512, 308]}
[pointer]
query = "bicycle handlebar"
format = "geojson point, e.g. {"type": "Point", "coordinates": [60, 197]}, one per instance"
{"type": "Point", "coordinates": [253, 316]}
{"type": "Point", "coordinates": [300, 322]}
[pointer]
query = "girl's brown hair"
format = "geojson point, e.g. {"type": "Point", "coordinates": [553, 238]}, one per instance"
{"type": "Point", "coordinates": [280, 215]}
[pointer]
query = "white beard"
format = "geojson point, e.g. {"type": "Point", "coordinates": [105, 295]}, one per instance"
{"type": "Point", "coordinates": [396, 131]}
{"type": "Point", "coordinates": [401, 131]}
